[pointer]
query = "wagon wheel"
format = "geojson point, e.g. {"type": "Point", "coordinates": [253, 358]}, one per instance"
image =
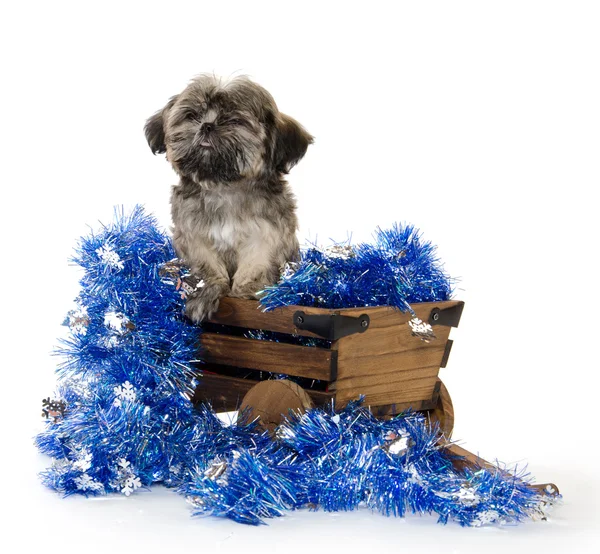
{"type": "Point", "coordinates": [270, 402]}
{"type": "Point", "coordinates": [443, 412]}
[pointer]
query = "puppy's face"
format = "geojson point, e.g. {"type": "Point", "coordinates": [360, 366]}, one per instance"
{"type": "Point", "coordinates": [226, 132]}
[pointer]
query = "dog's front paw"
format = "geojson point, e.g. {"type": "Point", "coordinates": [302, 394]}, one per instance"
{"type": "Point", "coordinates": [248, 290]}
{"type": "Point", "coordinates": [205, 302]}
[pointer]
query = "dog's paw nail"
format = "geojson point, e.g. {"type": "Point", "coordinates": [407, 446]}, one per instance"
{"type": "Point", "coordinates": [204, 303]}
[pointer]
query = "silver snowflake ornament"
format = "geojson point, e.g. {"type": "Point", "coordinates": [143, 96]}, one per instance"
{"type": "Point", "coordinates": [118, 322]}
{"type": "Point", "coordinates": [467, 496]}
{"type": "Point", "coordinates": [123, 393]}
{"type": "Point", "coordinates": [340, 252]}
{"type": "Point", "coordinates": [131, 484]}
{"type": "Point", "coordinates": [107, 254]}
{"type": "Point", "coordinates": [84, 460]}
{"type": "Point", "coordinates": [398, 443]}
{"type": "Point", "coordinates": [421, 329]}
{"type": "Point", "coordinates": [54, 409]}
{"type": "Point", "coordinates": [78, 320]}
{"type": "Point", "coordinates": [485, 518]}
{"type": "Point", "coordinates": [87, 483]}
{"type": "Point", "coordinates": [124, 464]}
{"type": "Point", "coordinates": [288, 270]}
{"type": "Point", "coordinates": [126, 480]}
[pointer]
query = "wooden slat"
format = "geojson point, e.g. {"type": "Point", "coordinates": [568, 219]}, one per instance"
{"type": "Point", "coordinates": [408, 392]}
{"type": "Point", "coordinates": [390, 410]}
{"type": "Point", "coordinates": [226, 393]}
{"type": "Point", "coordinates": [223, 393]}
{"type": "Point", "coordinates": [320, 397]}
{"type": "Point", "coordinates": [277, 357]}
{"type": "Point", "coordinates": [388, 316]}
{"type": "Point", "coordinates": [367, 363]}
{"type": "Point", "coordinates": [392, 381]}
{"type": "Point", "coordinates": [249, 314]}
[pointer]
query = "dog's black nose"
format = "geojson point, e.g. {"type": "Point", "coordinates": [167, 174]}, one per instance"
{"type": "Point", "coordinates": [207, 128]}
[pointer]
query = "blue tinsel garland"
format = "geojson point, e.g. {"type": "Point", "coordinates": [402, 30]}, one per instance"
{"type": "Point", "coordinates": [397, 269]}
{"type": "Point", "coordinates": [122, 418]}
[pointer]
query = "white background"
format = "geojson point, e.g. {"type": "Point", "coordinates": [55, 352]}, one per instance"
{"type": "Point", "coordinates": [477, 121]}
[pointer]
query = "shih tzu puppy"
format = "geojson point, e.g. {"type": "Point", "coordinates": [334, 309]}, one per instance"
{"type": "Point", "coordinates": [234, 215]}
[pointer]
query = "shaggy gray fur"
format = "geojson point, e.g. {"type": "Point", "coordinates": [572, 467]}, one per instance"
{"type": "Point", "coordinates": [233, 213]}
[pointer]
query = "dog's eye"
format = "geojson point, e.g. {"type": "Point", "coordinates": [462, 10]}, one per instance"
{"type": "Point", "coordinates": [235, 121]}
{"type": "Point", "coordinates": [188, 114]}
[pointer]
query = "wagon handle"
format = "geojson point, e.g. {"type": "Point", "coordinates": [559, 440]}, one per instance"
{"type": "Point", "coordinates": [449, 317]}
{"type": "Point", "coordinates": [331, 327]}
{"type": "Point", "coordinates": [462, 458]}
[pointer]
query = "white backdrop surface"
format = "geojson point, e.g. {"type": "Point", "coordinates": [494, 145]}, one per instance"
{"type": "Point", "coordinates": [476, 121]}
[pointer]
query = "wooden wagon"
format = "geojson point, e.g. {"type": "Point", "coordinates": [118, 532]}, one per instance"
{"type": "Point", "coordinates": [390, 358]}
{"type": "Point", "coordinates": [372, 352]}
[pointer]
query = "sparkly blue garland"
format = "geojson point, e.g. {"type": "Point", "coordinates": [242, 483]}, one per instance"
{"type": "Point", "coordinates": [398, 269]}
{"type": "Point", "coordinates": [122, 420]}
{"type": "Point", "coordinates": [341, 461]}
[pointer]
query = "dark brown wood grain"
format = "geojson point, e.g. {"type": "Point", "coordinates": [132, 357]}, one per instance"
{"type": "Point", "coordinates": [446, 355]}
{"type": "Point", "coordinates": [276, 357]}
{"type": "Point", "coordinates": [251, 315]}
{"type": "Point", "coordinates": [225, 393]}
{"type": "Point", "coordinates": [388, 364]}
{"type": "Point", "coordinates": [391, 410]}
{"type": "Point", "coordinates": [271, 402]}
{"type": "Point", "coordinates": [443, 412]}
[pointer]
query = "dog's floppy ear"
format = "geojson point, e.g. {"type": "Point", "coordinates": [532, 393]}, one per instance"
{"type": "Point", "coordinates": [291, 143]}
{"type": "Point", "coordinates": [155, 129]}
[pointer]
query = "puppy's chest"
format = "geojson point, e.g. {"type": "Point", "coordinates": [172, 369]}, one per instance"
{"type": "Point", "coordinates": [228, 220]}
{"type": "Point", "coordinates": [227, 233]}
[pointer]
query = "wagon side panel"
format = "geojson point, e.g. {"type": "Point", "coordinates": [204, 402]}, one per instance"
{"type": "Point", "coordinates": [388, 364]}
